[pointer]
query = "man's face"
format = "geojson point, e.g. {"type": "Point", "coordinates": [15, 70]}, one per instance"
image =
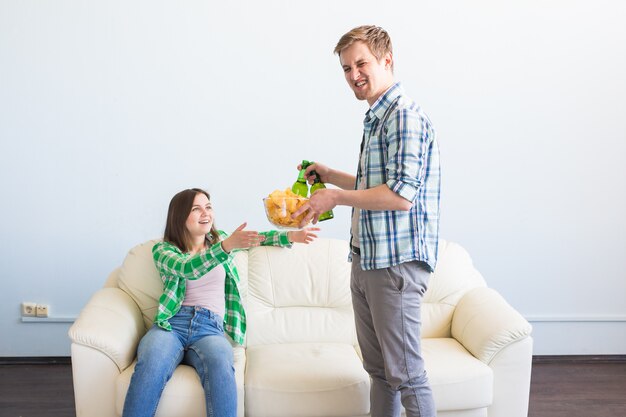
{"type": "Point", "coordinates": [366, 76]}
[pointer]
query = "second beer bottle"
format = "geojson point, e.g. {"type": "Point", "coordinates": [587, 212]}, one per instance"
{"type": "Point", "coordinates": [317, 185]}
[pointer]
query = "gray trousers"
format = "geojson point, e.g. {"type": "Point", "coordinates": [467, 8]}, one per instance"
{"type": "Point", "coordinates": [387, 311]}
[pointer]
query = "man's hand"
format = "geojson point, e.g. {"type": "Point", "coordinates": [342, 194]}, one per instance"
{"type": "Point", "coordinates": [305, 235]}
{"type": "Point", "coordinates": [241, 239]}
{"type": "Point", "coordinates": [320, 202]}
{"type": "Point", "coordinates": [322, 171]}
{"type": "Point", "coordinates": [328, 175]}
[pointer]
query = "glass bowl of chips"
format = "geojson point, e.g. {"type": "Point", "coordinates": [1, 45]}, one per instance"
{"type": "Point", "coordinates": [280, 205]}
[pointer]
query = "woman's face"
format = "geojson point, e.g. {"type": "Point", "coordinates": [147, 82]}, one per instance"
{"type": "Point", "coordinates": [200, 218]}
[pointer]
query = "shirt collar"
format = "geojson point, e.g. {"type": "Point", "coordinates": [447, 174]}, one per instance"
{"type": "Point", "coordinates": [381, 105]}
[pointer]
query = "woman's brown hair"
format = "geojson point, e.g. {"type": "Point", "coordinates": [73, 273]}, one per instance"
{"type": "Point", "coordinates": [176, 231]}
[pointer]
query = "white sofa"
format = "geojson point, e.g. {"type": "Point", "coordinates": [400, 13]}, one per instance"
{"type": "Point", "coordinates": [301, 356]}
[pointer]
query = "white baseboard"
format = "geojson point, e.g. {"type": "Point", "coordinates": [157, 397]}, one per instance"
{"type": "Point", "coordinates": [48, 319]}
{"type": "Point", "coordinates": [578, 335]}
{"type": "Point", "coordinates": [575, 319]}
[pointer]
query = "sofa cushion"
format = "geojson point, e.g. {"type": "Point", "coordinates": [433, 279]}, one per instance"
{"type": "Point", "coordinates": [305, 379]}
{"type": "Point", "coordinates": [183, 395]}
{"type": "Point", "coordinates": [459, 380]}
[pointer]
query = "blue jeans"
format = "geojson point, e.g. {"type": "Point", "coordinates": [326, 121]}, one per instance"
{"type": "Point", "coordinates": [197, 339]}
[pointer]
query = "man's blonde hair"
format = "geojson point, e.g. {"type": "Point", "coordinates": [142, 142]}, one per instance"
{"type": "Point", "coordinates": [375, 37]}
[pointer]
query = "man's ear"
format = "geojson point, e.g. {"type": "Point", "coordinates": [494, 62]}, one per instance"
{"type": "Point", "coordinates": [388, 60]}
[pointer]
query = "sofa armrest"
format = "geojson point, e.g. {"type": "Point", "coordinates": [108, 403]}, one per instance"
{"type": "Point", "coordinates": [111, 323]}
{"type": "Point", "coordinates": [484, 323]}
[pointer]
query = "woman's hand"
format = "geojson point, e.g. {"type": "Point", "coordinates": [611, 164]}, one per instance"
{"type": "Point", "coordinates": [242, 239]}
{"type": "Point", "coordinates": [305, 235]}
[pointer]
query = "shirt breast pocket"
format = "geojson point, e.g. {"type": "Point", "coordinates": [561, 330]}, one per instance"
{"type": "Point", "coordinates": [374, 160]}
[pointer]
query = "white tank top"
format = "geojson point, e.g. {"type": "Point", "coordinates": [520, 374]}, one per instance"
{"type": "Point", "coordinates": [207, 291]}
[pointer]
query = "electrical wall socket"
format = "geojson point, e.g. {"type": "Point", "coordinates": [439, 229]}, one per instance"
{"type": "Point", "coordinates": [29, 309]}
{"type": "Point", "coordinates": [42, 310]}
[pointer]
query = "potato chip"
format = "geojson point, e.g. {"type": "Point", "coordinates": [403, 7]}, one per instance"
{"type": "Point", "coordinates": [280, 205]}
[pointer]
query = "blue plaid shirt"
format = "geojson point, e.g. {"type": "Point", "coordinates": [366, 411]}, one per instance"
{"type": "Point", "coordinates": [400, 150]}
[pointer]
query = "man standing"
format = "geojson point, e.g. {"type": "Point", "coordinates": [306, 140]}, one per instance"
{"type": "Point", "coordinates": [395, 224]}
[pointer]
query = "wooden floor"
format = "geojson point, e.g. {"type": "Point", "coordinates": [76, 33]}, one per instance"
{"type": "Point", "coordinates": [38, 390]}
{"type": "Point", "coordinates": [559, 389]}
{"type": "Point", "coordinates": [578, 388]}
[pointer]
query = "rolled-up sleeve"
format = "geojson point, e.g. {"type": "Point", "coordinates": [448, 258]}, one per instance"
{"type": "Point", "coordinates": [408, 134]}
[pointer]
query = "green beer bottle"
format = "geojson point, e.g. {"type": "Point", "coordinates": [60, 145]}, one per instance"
{"type": "Point", "coordinates": [300, 187]}
{"type": "Point", "coordinates": [317, 185]}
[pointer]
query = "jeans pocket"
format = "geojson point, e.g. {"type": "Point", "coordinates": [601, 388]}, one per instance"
{"type": "Point", "coordinates": [219, 322]}
{"type": "Point", "coordinates": [396, 278]}
{"type": "Point", "coordinates": [212, 322]}
{"type": "Point", "coordinates": [181, 320]}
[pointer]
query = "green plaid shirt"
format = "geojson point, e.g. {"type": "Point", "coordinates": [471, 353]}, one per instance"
{"type": "Point", "coordinates": [176, 267]}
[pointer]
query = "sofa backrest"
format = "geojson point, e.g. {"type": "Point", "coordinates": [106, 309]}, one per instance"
{"type": "Point", "coordinates": [139, 278]}
{"type": "Point", "coordinates": [454, 276]}
{"type": "Point", "coordinates": [299, 295]}
{"type": "Point", "coordinates": [302, 294]}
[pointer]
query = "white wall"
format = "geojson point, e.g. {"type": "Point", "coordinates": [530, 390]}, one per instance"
{"type": "Point", "coordinates": [107, 108]}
